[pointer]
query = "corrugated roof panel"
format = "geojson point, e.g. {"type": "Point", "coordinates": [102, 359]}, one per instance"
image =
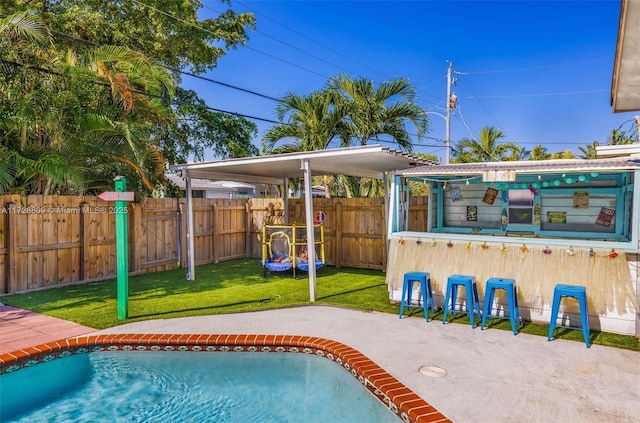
{"type": "Point", "coordinates": [527, 167]}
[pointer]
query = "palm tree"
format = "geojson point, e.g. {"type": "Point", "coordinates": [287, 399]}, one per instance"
{"type": "Point", "coordinates": [539, 153]}
{"type": "Point", "coordinates": [620, 136]}
{"type": "Point", "coordinates": [518, 153]}
{"type": "Point", "coordinates": [486, 149]}
{"type": "Point", "coordinates": [74, 127]}
{"type": "Point", "coordinates": [308, 123]}
{"type": "Point", "coordinates": [589, 151]}
{"type": "Point", "coordinates": [566, 154]}
{"type": "Point", "coordinates": [383, 110]}
{"type": "Point", "coordinates": [372, 112]}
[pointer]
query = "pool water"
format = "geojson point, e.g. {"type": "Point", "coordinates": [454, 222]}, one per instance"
{"type": "Point", "coordinates": [149, 386]}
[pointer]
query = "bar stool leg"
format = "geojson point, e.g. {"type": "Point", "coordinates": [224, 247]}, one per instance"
{"type": "Point", "coordinates": [554, 316]}
{"type": "Point", "coordinates": [488, 306]}
{"type": "Point", "coordinates": [430, 292]}
{"type": "Point", "coordinates": [404, 287]}
{"type": "Point", "coordinates": [476, 304]}
{"type": "Point", "coordinates": [471, 305]}
{"type": "Point", "coordinates": [447, 296]}
{"type": "Point", "coordinates": [425, 301]}
{"type": "Point", "coordinates": [517, 307]}
{"type": "Point", "coordinates": [585, 320]}
{"type": "Point", "coordinates": [513, 307]}
{"type": "Point", "coordinates": [407, 287]}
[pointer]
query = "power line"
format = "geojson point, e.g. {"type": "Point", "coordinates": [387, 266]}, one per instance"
{"type": "Point", "coordinates": [146, 94]}
{"type": "Point", "coordinates": [193, 75]}
{"type": "Point", "coordinates": [467, 85]}
{"type": "Point", "coordinates": [310, 39]}
{"type": "Point", "coordinates": [212, 33]}
{"type": "Point", "coordinates": [542, 94]}
{"type": "Point", "coordinates": [224, 84]}
{"type": "Point", "coordinates": [540, 67]}
{"type": "Point", "coordinates": [320, 59]}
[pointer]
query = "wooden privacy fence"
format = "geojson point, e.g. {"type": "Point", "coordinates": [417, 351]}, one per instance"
{"type": "Point", "coordinates": [48, 241]}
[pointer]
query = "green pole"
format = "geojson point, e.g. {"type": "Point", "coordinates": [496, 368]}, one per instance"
{"type": "Point", "coordinates": [122, 251]}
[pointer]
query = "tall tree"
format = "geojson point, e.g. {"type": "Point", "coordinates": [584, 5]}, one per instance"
{"type": "Point", "coordinates": [158, 29]}
{"type": "Point", "coordinates": [518, 153]}
{"type": "Point", "coordinates": [539, 153]}
{"type": "Point", "coordinates": [486, 148]}
{"type": "Point", "coordinates": [620, 137]}
{"type": "Point", "coordinates": [566, 154]}
{"type": "Point", "coordinates": [589, 151]}
{"type": "Point", "coordinates": [383, 110]}
{"type": "Point", "coordinates": [68, 119]}
{"type": "Point", "coordinates": [373, 111]}
{"type": "Point", "coordinates": [161, 29]}
{"type": "Point", "coordinates": [307, 123]}
{"type": "Point", "coordinates": [197, 129]}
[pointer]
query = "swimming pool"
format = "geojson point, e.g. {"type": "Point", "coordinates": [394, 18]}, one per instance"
{"type": "Point", "coordinates": [88, 350]}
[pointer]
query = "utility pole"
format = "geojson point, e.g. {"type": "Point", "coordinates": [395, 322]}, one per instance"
{"type": "Point", "coordinates": [451, 104]}
{"type": "Point", "coordinates": [447, 138]}
{"type": "Point", "coordinates": [637, 118]}
{"type": "Point", "coordinates": [452, 101]}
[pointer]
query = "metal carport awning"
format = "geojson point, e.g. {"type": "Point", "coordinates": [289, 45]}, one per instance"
{"type": "Point", "coordinates": [369, 161]}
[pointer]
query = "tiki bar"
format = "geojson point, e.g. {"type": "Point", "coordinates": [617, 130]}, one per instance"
{"type": "Point", "coordinates": [540, 223]}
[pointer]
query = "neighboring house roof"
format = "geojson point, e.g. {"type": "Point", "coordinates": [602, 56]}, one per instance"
{"type": "Point", "coordinates": [625, 86]}
{"type": "Point", "coordinates": [618, 150]}
{"type": "Point", "coordinates": [207, 185]}
{"type": "Point", "coordinates": [527, 167]}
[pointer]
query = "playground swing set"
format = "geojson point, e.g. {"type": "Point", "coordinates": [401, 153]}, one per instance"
{"type": "Point", "coordinates": [284, 247]}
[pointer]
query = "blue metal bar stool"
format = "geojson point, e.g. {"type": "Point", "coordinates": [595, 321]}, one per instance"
{"type": "Point", "coordinates": [424, 278]}
{"type": "Point", "coordinates": [451, 296]}
{"type": "Point", "coordinates": [509, 286]}
{"type": "Point", "coordinates": [575, 291]}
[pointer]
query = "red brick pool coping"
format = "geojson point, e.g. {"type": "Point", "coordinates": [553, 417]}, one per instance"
{"type": "Point", "coordinates": [397, 397]}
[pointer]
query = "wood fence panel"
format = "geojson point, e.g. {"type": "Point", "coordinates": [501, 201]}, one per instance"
{"type": "Point", "coordinates": [102, 242]}
{"type": "Point", "coordinates": [263, 211]}
{"type": "Point", "coordinates": [158, 225]}
{"type": "Point", "coordinates": [51, 237]}
{"type": "Point", "coordinates": [21, 239]}
{"type": "Point", "coordinates": [418, 213]}
{"type": "Point", "coordinates": [363, 244]}
{"type": "Point", "coordinates": [328, 206]}
{"type": "Point", "coordinates": [35, 229]}
{"type": "Point", "coordinates": [203, 231]}
{"type": "Point", "coordinates": [57, 240]}
{"type": "Point", "coordinates": [68, 228]}
{"type": "Point", "coordinates": [354, 230]}
{"type": "Point", "coordinates": [231, 229]}
{"type": "Point", "coordinates": [4, 238]}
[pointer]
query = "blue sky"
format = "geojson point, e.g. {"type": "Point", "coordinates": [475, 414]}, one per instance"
{"type": "Point", "coordinates": [539, 71]}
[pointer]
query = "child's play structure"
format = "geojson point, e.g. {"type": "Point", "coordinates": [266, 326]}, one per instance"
{"type": "Point", "coordinates": [284, 247]}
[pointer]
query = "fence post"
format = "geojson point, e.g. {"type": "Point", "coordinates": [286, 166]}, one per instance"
{"type": "Point", "coordinates": [12, 251]}
{"type": "Point", "coordinates": [84, 241]}
{"type": "Point", "coordinates": [385, 250]}
{"type": "Point", "coordinates": [214, 227]}
{"type": "Point", "coordinates": [247, 241]}
{"type": "Point", "coordinates": [338, 244]}
{"type": "Point", "coordinates": [183, 235]}
{"type": "Point", "coordinates": [136, 254]}
{"type": "Point", "coordinates": [178, 232]}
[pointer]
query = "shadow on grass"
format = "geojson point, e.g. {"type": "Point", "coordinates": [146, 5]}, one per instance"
{"type": "Point", "coordinates": [351, 291]}
{"type": "Point", "coordinates": [194, 309]}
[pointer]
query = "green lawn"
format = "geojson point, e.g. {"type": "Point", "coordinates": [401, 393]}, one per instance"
{"type": "Point", "coordinates": [239, 286]}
